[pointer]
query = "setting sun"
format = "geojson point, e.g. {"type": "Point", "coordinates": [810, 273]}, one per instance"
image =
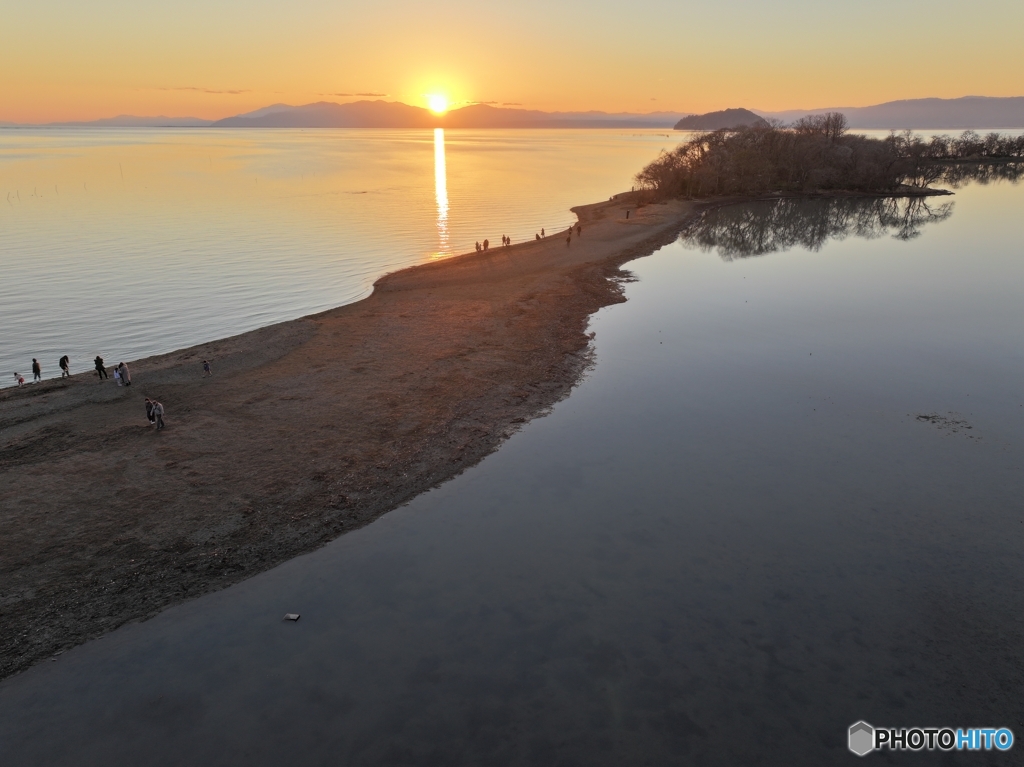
{"type": "Point", "coordinates": [438, 103]}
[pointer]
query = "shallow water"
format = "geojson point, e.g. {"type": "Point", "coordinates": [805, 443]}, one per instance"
{"type": "Point", "coordinates": [128, 243]}
{"type": "Point", "coordinates": [732, 541]}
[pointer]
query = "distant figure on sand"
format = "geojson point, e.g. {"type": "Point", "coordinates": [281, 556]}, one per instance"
{"type": "Point", "coordinates": [478, 248]}
{"type": "Point", "coordinates": [542, 232]}
{"type": "Point", "coordinates": [487, 244]}
{"type": "Point", "coordinates": [37, 371]}
{"type": "Point", "coordinates": [126, 377]}
{"type": "Point", "coordinates": [568, 240]}
{"type": "Point", "coordinates": [158, 414]}
{"type": "Point", "coordinates": [65, 365]}
{"type": "Point", "coordinates": [149, 412]}
{"type": "Point", "coordinates": [117, 376]}
{"type": "Point", "coordinates": [627, 214]}
{"type": "Point", "coordinates": [579, 230]}
{"type": "Point", "coordinates": [18, 379]}
{"type": "Point", "coordinates": [537, 236]}
{"type": "Point", "coordinates": [100, 370]}
{"type": "Point", "coordinates": [206, 369]}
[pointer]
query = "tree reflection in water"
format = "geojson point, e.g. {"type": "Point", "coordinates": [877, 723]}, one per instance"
{"type": "Point", "coordinates": [956, 175]}
{"type": "Point", "coordinates": [759, 228]}
{"type": "Point", "coordinates": [756, 229]}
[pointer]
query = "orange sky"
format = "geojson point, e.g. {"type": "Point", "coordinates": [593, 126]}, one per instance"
{"type": "Point", "coordinates": [67, 60]}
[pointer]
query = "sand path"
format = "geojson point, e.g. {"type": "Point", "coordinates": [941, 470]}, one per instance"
{"type": "Point", "coordinates": [307, 429]}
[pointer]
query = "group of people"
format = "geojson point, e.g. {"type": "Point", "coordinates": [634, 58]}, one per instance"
{"type": "Point", "coordinates": [154, 409]}
{"type": "Point", "coordinates": [37, 372]}
{"type": "Point", "coordinates": [506, 241]}
{"type": "Point", "coordinates": [121, 374]}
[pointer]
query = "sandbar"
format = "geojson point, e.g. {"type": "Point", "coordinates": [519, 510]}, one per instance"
{"type": "Point", "coordinates": [307, 430]}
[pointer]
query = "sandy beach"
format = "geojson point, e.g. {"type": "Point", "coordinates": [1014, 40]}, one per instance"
{"type": "Point", "coordinates": [306, 430]}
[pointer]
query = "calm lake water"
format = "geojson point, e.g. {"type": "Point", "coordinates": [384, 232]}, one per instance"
{"type": "Point", "coordinates": [128, 243]}
{"type": "Point", "coordinates": [787, 498]}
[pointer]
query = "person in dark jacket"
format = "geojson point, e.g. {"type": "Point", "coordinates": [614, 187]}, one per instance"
{"type": "Point", "coordinates": [65, 366]}
{"type": "Point", "coordinates": [37, 371]}
{"type": "Point", "coordinates": [100, 370]}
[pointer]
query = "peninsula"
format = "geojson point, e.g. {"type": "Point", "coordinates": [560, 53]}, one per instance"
{"type": "Point", "coordinates": [306, 430]}
{"type": "Point", "coordinates": [315, 427]}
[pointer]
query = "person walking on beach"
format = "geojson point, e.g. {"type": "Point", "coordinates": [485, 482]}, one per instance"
{"type": "Point", "coordinates": [158, 414]}
{"type": "Point", "coordinates": [37, 371]}
{"type": "Point", "coordinates": [100, 370]}
{"type": "Point", "coordinates": [478, 247]}
{"type": "Point", "coordinates": [579, 230]}
{"type": "Point", "coordinates": [206, 369]}
{"type": "Point", "coordinates": [126, 377]}
{"type": "Point", "coordinates": [65, 365]}
{"type": "Point", "coordinates": [149, 412]}
{"type": "Point", "coordinates": [542, 232]}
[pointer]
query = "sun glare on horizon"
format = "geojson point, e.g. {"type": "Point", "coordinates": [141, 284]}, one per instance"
{"type": "Point", "coordinates": [438, 103]}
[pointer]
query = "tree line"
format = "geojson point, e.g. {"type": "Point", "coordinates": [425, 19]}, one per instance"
{"type": "Point", "coordinates": [816, 153]}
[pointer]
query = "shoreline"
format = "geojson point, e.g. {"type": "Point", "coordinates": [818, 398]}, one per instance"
{"type": "Point", "coordinates": [308, 429]}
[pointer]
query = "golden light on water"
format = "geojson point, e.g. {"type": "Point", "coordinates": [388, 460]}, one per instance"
{"type": "Point", "coordinates": [441, 193]}
{"type": "Point", "coordinates": [438, 103]}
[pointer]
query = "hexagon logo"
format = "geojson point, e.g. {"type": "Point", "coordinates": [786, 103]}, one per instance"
{"type": "Point", "coordinates": [862, 738]}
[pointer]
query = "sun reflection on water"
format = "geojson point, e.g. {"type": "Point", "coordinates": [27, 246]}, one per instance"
{"type": "Point", "coordinates": [441, 193]}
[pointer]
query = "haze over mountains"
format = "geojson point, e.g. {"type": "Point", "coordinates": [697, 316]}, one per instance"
{"type": "Point", "coordinates": [978, 112]}
{"type": "Point", "coordinates": [388, 114]}
{"type": "Point", "coordinates": [940, 114]}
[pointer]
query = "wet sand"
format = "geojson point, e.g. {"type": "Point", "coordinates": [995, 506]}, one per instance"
{"type": "Point", "coordinates": [307, 430]}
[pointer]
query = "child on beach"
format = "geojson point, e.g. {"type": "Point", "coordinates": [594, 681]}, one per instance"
{"type": "Point", "coordinates": [117, 375]}
{"type": "Point", "coordinates": [19, 379]}
{"type": "Point", "coordinates": [206, 369]}
{"type": "Point", "coordinates": [149, 411]}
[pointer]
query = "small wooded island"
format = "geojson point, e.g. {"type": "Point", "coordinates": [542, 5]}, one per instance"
{"type": "Point", "coordinates": [816, 154]}
{"type": "Point", "coordinates": [727, 119]}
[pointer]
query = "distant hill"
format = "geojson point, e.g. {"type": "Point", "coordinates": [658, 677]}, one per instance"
{"type": "Point", "coordinates": [131, 121]}
{"type": "Point", "coordinates": [393, 114]}
{"type": "Point", "coordinates": [978, 112]}
{"type": "Point", "coordinates": [727, 119]}
{"type": "Point", "coordinates": [485, 116]}
{"type": "Point", "coordinates": [327, 114]}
